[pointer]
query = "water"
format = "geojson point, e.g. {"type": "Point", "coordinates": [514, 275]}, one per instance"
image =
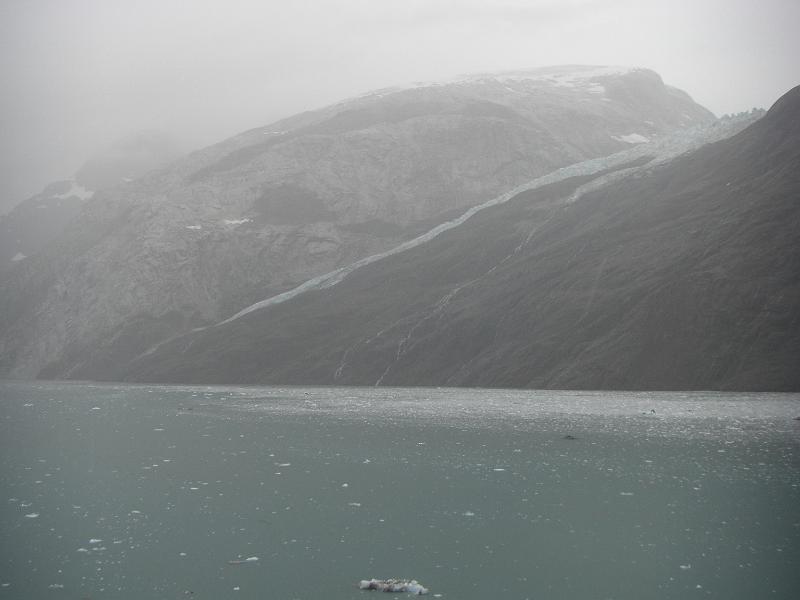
{"type": "Point", "coordinates": [138, 492]}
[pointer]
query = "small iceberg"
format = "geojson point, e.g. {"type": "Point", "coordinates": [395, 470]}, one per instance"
{"type": "Point", "coordinates": [410, 586]}
{"type": "Point", "coordinates": [243, 561]}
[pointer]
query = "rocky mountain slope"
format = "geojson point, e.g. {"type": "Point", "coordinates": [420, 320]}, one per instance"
{"type": "Point", "coordinates": [262, 212]}
{"type": "Point", "coordinates": [635, 272]}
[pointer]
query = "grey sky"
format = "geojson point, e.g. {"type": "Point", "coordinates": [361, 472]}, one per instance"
{"type": "Point", "coordinates": [78, 74]}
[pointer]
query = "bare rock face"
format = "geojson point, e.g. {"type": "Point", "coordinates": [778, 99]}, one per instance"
{"type": "Point", "coordinates": [262, 212]}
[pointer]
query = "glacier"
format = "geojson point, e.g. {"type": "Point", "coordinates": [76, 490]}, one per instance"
{"type": "Point", "coordinates": [660, 151]}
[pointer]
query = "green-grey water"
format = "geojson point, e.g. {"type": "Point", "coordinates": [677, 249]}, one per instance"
{"type": "Point", "coordinates": [140, 492]}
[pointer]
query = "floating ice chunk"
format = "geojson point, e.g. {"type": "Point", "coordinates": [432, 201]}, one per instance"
{"type": "Point", "coordinates": [498, 469]}
{"type": "Point", "coordinates": [195, 227]}
{"type": "Point", "coordinates": [356, 504]}
{"type": "Point", "coordinates": [31, 515]}
{"type": "Point", "coordinates": [95, 541]}
{"type": "Point", "coordinates": [243, 561]}
{"type": "Point", "coordinates": [685, 567]}
{"type": "Point", "coordinates": [82, 550]}
{"type": "Point", "coordinates": [95, 408]}
{"type": "Point", "coordinates": [56, 586]}
{"type": "Point", "coordinates": [393, 585]}
{"type": "Point", "coordinates": [236, 221]}
{"type": "Point", "coordinates": [468, 513]}
{"type": "Point", "coordinates": [626, 493]}
{"type": "Point", "coordinates": [344, 485]}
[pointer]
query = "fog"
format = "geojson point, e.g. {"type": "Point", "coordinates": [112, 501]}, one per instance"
{"type": "Point", "coordinates": [79, 74]}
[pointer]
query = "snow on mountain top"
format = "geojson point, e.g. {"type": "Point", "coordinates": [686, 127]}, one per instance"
{"type": "Point", "coordinates": [559, 76]}
{"type": "Point", "coordinates": [562, 75]}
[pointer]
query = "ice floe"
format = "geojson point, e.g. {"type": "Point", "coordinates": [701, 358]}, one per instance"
{"type": "Point", "coordinates": [411, 586]}
{"type": "Point", "coordinates": [244, 561]}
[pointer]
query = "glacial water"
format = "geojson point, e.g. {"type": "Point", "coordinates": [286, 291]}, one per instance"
{"type": "Point", "coordinates": [149, 492]}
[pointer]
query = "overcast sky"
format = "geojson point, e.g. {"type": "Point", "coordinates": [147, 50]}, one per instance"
{"type": "Point", "coordinates": [79, 74]}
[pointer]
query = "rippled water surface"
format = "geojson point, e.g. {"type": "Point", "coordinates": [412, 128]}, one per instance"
{"type": "Point", "coordinates": [138, 492]}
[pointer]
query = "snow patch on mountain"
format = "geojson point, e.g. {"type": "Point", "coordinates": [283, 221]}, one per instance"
{"type": "Point", "coordinates": [76, 190]}
{"type": "Point", "coordinates": [632, 138]}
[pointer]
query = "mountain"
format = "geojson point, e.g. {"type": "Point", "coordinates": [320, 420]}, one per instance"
{"type": "Point", "coordinates": [669, 271]}
{"type": "Point", "coordinates": [42, 218]}
{"type": "Point", "coordinates": [261, 213]}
